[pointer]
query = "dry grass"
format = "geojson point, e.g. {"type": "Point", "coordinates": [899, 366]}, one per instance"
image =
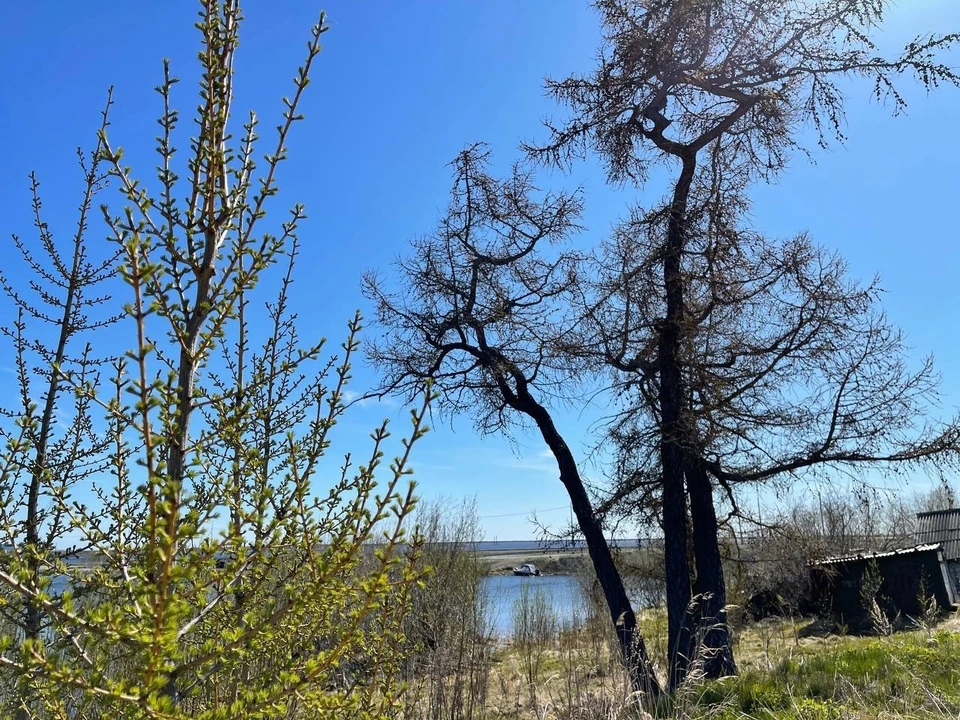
{"type": "Point", "coordinates": [789, 669]}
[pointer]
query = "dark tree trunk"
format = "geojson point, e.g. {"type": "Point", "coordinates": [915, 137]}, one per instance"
{"type": "Point", "coordinates": [32, 614]}
{"type": "Point", "coordinates": [677, 570]}
{"type": "Point", "coordinates": [713, 632]}
{"type": "Point", "coordinates": [672, 434]}
{"type": "Point", "coordinates": [632, 648]}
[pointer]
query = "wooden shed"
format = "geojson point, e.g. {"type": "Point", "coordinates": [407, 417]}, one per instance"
{"type": "Point", "coordinates": [905, 576]}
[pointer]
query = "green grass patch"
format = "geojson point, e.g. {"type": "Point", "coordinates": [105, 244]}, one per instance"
{"type": "Point", "coordinates": [912, 673]}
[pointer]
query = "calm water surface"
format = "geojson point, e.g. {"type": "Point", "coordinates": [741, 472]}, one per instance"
{"type": "Point", "coordinates": [563, 592]}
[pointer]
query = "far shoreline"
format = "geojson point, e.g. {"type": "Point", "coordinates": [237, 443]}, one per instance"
{"type": "Point", "coordinates": [550, 561]}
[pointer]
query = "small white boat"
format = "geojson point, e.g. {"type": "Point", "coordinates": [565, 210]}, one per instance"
{"type": "Point", "coordinates": [526, 570]}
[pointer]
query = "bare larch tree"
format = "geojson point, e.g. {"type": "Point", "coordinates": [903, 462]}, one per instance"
{"type": "Point", "coordinates": [476, 312]}
{"type": "Point", "coordinates": [738, 80]}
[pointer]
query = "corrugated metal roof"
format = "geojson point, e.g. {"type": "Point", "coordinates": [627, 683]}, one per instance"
{"type": "Point", "coordinates": [941, 526]}
{"type": "Point", "coordinates": [869, 555]}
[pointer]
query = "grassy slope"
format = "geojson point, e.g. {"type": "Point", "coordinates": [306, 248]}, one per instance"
{"type": "Point", "coordinates": [787, 672]}
{"type": "Point", "coordinates": [907, 675]}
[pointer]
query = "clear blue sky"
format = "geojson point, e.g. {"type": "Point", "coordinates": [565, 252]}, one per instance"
{"type": "Point", "coordinates": [402, 86]}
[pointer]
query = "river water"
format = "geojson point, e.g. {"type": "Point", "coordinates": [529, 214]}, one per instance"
{"type": "Point", "coordinates": [562, 592]}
